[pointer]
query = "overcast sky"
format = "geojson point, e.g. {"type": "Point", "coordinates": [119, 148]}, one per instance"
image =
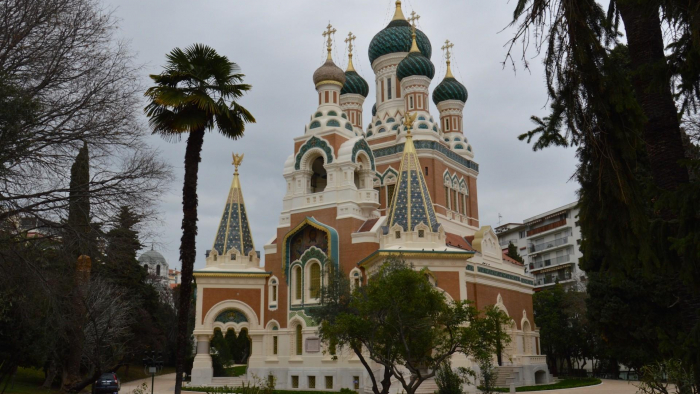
{"type": "Point", "coordinates": [278, 45]}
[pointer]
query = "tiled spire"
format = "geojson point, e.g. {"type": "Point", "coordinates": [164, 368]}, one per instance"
{"type": "Point", "coordinates": [411, 204]}
{"type": "Point", "coordinates": [234, 229]}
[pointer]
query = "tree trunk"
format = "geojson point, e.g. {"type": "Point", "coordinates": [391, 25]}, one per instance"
{"type": "Point", "coordinates": [187, 247]}
{"type": "Point", "coordinates": [652, 86]}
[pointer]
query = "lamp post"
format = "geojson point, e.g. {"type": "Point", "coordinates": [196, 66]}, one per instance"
{"type": "Point", "coordinates": [153, 364]}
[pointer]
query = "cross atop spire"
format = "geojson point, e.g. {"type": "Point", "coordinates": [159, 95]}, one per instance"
{"type": "Point", "coordinates": [349, 41]}
{"type": "Point", "coordinates": [328, 34]}
{"type": "Point", "coordinates": [448, 45]}
{"type": "Point", "coordinates": [413, 19]}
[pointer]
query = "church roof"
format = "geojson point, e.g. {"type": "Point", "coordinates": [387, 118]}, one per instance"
{"type": "Point", "coordinates": [234, 229]}
{"type": "Point", "coordinates": [411, 204]}
{"type": "Point", "coordinates": [396, 37]}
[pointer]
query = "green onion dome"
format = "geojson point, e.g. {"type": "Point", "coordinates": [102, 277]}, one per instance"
{"type": "Point", "coordinates": [415, 64]}
{"type": "Point", "coordinates": [329, 72]}
{"type": "Point", "coordinates": [450, 89]}
{"type": "Point", "coordinates": [355, 84]}
{"type": "Point", "coordinates": [396, 37]}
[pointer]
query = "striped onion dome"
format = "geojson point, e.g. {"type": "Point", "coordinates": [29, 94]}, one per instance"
{"type": "Point", "coordinates": [355, 84]}
{"type": "Point", "coordinates": [450, 89]}
{"type": "Point", "coordinates": [415, 64]}
{"type": "Point", "coordinates": [396, 37]}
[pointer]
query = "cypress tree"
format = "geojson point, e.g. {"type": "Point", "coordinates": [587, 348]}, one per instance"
{"type": "Point", "coordinates": [513, 253]}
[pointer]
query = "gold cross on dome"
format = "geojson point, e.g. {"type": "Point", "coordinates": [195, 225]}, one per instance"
{"type": "Point", "coordinates": [413, 19]}
{"type": "Point", "coordinates": [329, 35]}
{"type": "Point", "coordinates": [448, 45]}
{"type": "Point", "coordinates": [349, 41]}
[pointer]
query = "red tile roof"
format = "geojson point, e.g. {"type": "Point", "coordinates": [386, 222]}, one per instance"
{"type": "Point", "coordinates": [510, 260]}
{"type": "Point", "coordinates": [456, 241]}
{"type": "Point", "coordinates": [366, 226]}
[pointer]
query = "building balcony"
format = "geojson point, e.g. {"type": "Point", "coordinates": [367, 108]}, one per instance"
{"type": "Point", "coordinates": [547, 227]}
{"type": "Point", "coordinates": [550, 280]}
{"type": "Point", "coordinates": [548, 245]}
{"type": "Point", "coordinates": [553, 262]}
{"type": "Point", "coordinates": [368, 198]}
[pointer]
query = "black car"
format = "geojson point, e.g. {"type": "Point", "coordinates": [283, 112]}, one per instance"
{"type": "Point", "coordinates": [107, 383]}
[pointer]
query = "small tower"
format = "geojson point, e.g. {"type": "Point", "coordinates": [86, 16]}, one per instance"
{"type": "Point", "coordinates": [450, 96]}
{"type": "Point", "coordinates": [233, 246]}
{"type": "Point", "coordinates": [411, 220]}
{"type": "Point", "coordinates": [415, 72]}
{"type": "Point", "coordinates": [354, 91]}
{"type": "Point", "coordinates": [329, 80]}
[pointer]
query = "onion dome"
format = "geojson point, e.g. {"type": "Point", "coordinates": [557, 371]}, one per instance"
{"type": "Point", "coordinates": [450, 89]}
{"type": "Point", "coordinates": [354, 83]}
{"type": "Point", "coordinates": [152, 257]}
{"type": "Point", "coordinates": [396, 37]}
{"type": "Point", "coordinates": [415, 64]}
{"type": "Point", "coordinates": [329, 72]}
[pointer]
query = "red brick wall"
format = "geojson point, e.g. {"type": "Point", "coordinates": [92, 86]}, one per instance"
{"type": "Point", "coordinates": [211, 297]}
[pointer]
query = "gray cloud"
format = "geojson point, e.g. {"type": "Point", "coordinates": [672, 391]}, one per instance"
{"type": "Point", "coordinates": [278, 45]}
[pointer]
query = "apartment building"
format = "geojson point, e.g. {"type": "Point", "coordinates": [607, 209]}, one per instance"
{"type": "Point", "coordinates": [549, 244]}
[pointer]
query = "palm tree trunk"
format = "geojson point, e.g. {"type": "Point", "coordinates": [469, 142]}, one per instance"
{"type": "Point", "coordinates": [188, 250]}
{"type": "Point", "coordinates": [652, 86]}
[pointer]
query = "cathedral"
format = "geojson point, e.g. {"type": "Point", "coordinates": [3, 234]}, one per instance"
{"type": "Point", "coordinates": [406, 184]}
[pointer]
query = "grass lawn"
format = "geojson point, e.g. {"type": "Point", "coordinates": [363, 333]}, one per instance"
{"type": "Point", "coordinates": [564, 384]}
{"type": "Point", "coordinates": [238, 370]}
{"type": "Point", "coordinates": [233, 390]}
{"type": "Point", "coordinates": [27, 381]}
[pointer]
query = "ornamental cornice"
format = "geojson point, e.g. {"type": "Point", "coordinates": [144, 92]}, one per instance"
{"type": "Point", "coordinates": [388, 60]}
{"type": "Point", "coordinates": [231, 275]}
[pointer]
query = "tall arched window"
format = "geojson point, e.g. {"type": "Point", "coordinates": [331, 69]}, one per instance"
{"type": "Point", "coordinates": [272, 295]}
{"type": "Point", "coordinates": [298, 340]}
{"type": "Point", "coordinates": [297, 283]}
{"type": "Point", "coordinates": [158, 269]}
{"type": "Point", "coordinates": [315, 280]}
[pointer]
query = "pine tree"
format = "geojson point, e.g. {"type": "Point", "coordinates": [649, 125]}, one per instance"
{"type": "Point", "coordinates": [76, 239]}
{"type": "Point", "coordinates": [513, 253]}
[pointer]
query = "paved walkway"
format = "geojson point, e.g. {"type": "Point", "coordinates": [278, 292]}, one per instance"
{"type": "Point", "coordinates": [607, 387]}
{"type": "Point", "coordinates": [165, 384]}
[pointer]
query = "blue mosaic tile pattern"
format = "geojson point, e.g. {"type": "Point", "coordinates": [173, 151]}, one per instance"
{"type": "Point", "coordinates": [362, 145]}
{"type": "Point", "coordinates": [313, 142]}
{"type": "Point", "coordinates": [231, 316]}
{"type": "Point", "coordinates": [433, 145]}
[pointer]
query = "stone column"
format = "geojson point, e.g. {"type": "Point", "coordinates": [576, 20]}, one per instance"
{"type": "Point", "coordinates": [202, 371]}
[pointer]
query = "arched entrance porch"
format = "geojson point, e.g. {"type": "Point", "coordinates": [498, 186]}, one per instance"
{"type": "Point", "coordinates": [224, 317]}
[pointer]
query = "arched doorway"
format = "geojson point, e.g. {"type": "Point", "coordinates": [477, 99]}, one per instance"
{"type": "Point", "coordinates": [230, 344]}
{"type": "Point", "coordinates": [540, 377]}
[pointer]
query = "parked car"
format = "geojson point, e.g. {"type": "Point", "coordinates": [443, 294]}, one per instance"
{"type": "Point", "coordinates": [107, 383]}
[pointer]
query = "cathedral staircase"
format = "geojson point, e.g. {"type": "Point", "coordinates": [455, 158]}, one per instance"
{"type": "Point", "coordinates": [505, 376]}
{"type": "Point", "coordinates": [228, 381]}
{"type": "Point", "coordinates": [427, 387]}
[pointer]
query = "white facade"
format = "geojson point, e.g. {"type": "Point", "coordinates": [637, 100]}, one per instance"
{"type": "Point", "coordinates": [549, 244]}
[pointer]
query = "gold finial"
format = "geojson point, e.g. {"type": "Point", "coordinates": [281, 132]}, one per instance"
{"type": "Point", "coordinates": [408, 121]}
{"type": "Point", "coordinates": [349, 41]}
{"type": "Point", "coordinates": [237, 159]}
{"type": "Point", "coordinates": [413, 19]}
{"type": "Point", "coordinates": [329, 35]}
{"type": "Point", "coordinates": [398, 14]}
{"type": "Point", "coordinates": [448, 45]}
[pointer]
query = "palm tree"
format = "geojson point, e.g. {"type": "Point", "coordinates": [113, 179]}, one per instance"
{"type": "Point", "coordinates": [190, 96]}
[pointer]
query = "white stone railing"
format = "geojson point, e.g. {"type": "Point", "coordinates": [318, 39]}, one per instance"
{"type": "Point", "coordinates": [367, 196]}
{"type": "Point", "coordinates": [530, 360]}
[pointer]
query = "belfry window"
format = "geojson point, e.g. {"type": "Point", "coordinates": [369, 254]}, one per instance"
{"type": "Point", "coordinates": [410, 102]}
{"type": "Point", "coordinates": [158, 269]}
{"type": "Point", "coordinates": [319, 178]}
{"type": "Point", "coordinates": [390, 194]}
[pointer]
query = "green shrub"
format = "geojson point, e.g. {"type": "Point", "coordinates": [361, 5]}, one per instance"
{"type": "Point", "coordinates": [447, 380]}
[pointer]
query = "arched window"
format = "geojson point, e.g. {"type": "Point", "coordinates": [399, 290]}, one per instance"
{"type": "Point", "coordinates": [158, 269]}
{"type": "Point", "coordinates": [319, 178]}
{"type": "Point", "coordinates": [272, 296]}
{"type": "Point", "coordinates": [356, 278]}
{"type": "Point", "coordinates": [315, 281]}
{"type": "Point", "coordinates": [297, 283]}
{"type": "Point", "coordinates": [298, 340]}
